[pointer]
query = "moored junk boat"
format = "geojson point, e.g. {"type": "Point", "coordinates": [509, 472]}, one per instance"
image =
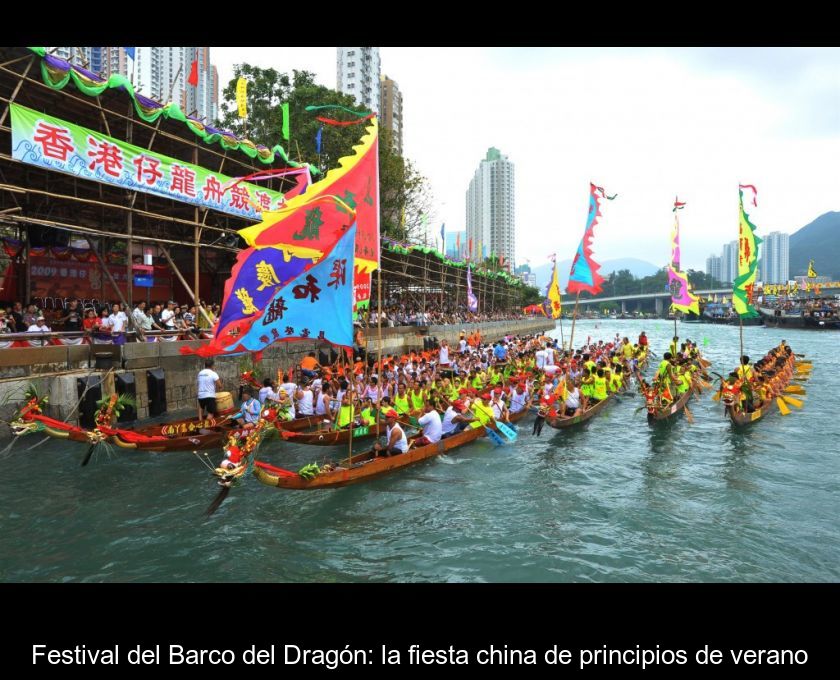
{"type": "Point", "coordinates": [813, 320]}
{"type": "Point", "coordinates": [361, 466]}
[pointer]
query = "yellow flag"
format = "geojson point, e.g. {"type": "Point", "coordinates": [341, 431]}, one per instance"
{"type": "Point", "coordinates": [554, 295]}
{"type": "Point", "coordinates": [811, 273]}
{"type": "Point", "coordinates": [241, 97]}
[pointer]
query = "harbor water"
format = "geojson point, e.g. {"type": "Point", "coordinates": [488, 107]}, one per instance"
{"type": "Point", "coordinates": [614, 500]}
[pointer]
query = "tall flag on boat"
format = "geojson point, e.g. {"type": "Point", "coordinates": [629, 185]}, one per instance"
{"type": "Point", "coordinates": [311, 223]}
{"type": "Point", "coordinates": [748, 242]}
{"type": "Point", "coordinates": [555, 305]}
{"type": "Point", "coordinates": [472, 300]}
{"type": "Point", "coordinates": [812, 274]}
{"type": "Point", "coordinates": [317, 304]}
{"type": "Point", "coordinates": [584, 274]}
{"type": "Point", "coordinates": [242, 97]}
{"type": "Point", "coordinates": [681, 297]}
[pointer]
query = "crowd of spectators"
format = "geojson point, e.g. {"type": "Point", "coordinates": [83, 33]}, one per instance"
{"type": "Point", "coordinates": [401, 314]}
{"type": "Point", "coordinates": [106, 322]}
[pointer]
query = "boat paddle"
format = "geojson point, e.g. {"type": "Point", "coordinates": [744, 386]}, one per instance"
{"type": "Point", "coordinates": [688, 415]}
{"type": "Point", "coordinates": [782, 406]}
{"type": "Point", "coordinates": [89, 453]}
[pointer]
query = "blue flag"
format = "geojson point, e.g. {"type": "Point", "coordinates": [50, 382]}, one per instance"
{"type": "Point", "coordinates": [130, 51]}
{"type": "Point", "coordinates": [442, 231]}
{"type": "Point", "coordinates": [317, 304]}
{"type": "Point", "coordinates": [318, 139]}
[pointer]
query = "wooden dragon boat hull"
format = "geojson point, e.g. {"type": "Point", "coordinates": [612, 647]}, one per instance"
{"type": "Point", "coordinates": [363, 466]}
{"type": "Point", "coordinates": [664, 413]}
{"type": "Point", "coordinates": [562, 423]}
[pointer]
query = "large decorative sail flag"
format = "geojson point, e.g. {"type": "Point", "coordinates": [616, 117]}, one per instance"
{"type": "Point", "coordinates": [553, 298]}
{"type": "Point", "coordinates": [681, 297]}
{"type": "Point", "coordinates": [584, 274]}
{"type": "Point", "coordinates": [812, 273]}
{"type": "Point", "coordinates": [307, 226]}
{"type": "Point", "coordinates": [317, 304]}
{"type": "Point", "coordinates": [472, 300]}
{"type": "Point", "coordinates": [748, 242]}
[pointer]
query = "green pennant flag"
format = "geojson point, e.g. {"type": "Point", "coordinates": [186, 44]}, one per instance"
{"type": "Point", "coordinates": [286, 121]}
{"type": "Point", "coordinates": [705, 342]}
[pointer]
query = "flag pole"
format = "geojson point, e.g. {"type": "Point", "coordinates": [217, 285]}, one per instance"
{"type": "Point", "coordinates": [574, 318]}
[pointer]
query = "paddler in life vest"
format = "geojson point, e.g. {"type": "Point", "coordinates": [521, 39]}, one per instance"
{"type": "Point", "coordinates": [746, 375]}
{"type": "Point", "coordinates": [664, 378]}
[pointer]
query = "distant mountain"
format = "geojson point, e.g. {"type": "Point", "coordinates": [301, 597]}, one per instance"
{"type": "Point", "coordinates": [638, 268]}
{"type": "Point", "coordinates": [819, 241]}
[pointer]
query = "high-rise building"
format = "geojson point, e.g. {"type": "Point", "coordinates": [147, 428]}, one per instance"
{"type": "Point", "coordinates": [106, 61]}
{"type": "Point", "coordinates": [357, 71]}
{"type": "Point", "coordinates": [729, 262]}
{"type": "Point", "coordinates": [775, 258]}
{"type": "Point", "coordinates": [80, 56]}
{"type": "Point", "coordinates": [162, 73]}
{"type": "Point", "coordinates": [391, 113]}
{"type": "Point", "coordinates": [713, 265]}
{"type": "Point", "coordinates": [490, 209]}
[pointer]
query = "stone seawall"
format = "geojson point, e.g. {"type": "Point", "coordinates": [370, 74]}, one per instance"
{"type": "Point", "coordinates": [57, 370]}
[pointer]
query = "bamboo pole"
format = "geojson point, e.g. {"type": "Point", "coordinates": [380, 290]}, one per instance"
{"type": "Point", "coordinates": [17, 88]}
{"type": "Point", "coordinates": [574, 318]}
{"type": "Point", "coordinates": [98, 232]}
{"type": "Point", "coordinates": [183, 281]}
{"type": "Point", "coordinates": [91, 201]}
{"type": "Point", "coordinates": [116, 288]}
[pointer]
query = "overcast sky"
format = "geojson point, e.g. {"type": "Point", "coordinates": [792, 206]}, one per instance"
{"type": "Point", "coordinates": [647, 124]}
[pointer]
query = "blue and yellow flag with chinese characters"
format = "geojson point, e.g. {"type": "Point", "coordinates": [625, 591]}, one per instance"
{"type": "Point", "coordinates": [317, 304]}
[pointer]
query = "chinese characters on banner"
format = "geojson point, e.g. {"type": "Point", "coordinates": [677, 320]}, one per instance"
{"type": "Point", "coordinates": [46, 141]}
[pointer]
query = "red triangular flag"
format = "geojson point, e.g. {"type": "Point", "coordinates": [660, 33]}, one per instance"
{"type": "Point", "coordinates": [193, 79]}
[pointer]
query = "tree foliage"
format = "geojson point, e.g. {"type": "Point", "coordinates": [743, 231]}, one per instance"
{"type": "Point", "coordinates": [404, 194]}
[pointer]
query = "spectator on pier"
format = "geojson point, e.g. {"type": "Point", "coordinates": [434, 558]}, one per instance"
{"type": "Point", "coordinates": [118, 322]}
{"type": "Point", "coordinates": [72, 321]}
{"type": "Point", "coordinates": [17, 325]}
{"type": "Point", "coordinates": [30, 316]}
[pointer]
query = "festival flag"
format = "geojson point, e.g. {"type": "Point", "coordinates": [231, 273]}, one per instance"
{"type": "Point", "coordinates": [443, 232]}
{"type": "Point", "coordinates": [681, 297]}
{"type": "Point", "coordinates": [193, 79]}
{"type": "Point", "coordinates": [286, 121]}
{"type": "Point", "coordinates": [812, 274]}
{"type": "Point", "coordinates": [318, 139]}
{"type": "Point", "coordinates": [553, 298]}
{"type": "Point", "coordinates": [311, 223]}
{"type": "Point", "coordinates": [129, 51]}
{"type": "Point", "coordinates": [317, 304]}
{"type": "Point", "coordinates": [472, 300]}
{"type": "Point", "coordinates": [469, 248]}
{"type": "Point", "coordinates": [584, 274]}
{"type": "Point", "coordinates": [242, 97]}
{"type": "Point", "coordinates": [748, 242]}
{"type": "Point", "coordinates": [458, 243]}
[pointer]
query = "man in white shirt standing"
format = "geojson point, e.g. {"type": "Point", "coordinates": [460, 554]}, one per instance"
{"type": "Point", "coordinates": [118, 321]}
{"type": "Point", "coordinates": [208, 383]}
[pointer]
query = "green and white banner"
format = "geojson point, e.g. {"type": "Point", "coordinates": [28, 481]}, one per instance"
{"type": "Point", "coordinates": [49, 142]}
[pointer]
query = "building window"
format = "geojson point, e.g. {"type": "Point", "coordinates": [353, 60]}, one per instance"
{"type": "Point", "coordinates": [351, 53]}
